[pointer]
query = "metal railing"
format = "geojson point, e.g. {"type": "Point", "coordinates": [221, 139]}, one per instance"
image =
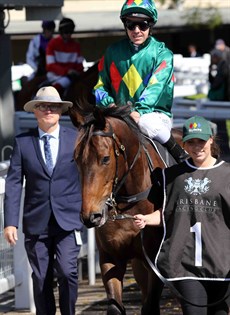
{"type": "Point", "coordinates": [7, 280]}
{"type": "Point", "coordinates": [212, 110]}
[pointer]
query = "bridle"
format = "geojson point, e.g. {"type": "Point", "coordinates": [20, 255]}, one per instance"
{"type": "Point", "coordinates": [114, 198]}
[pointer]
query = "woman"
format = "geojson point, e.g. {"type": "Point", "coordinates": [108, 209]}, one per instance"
{"type": "Point", "coordinates": [195, 214]}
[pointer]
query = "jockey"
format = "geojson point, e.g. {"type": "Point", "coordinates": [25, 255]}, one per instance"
{"type": "Point", "coordinates": [138, 71]}
{"type": "Point", "coordinates": [36, 53]}
{"type": "Point", "coordinates": [64, 61]}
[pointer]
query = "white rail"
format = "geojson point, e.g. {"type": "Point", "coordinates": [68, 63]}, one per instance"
{"type": "Point", "coordinates": [212, 110]}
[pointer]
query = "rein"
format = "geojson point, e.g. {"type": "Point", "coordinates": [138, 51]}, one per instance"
{"type": "Point", "coordinates": [113, 200]}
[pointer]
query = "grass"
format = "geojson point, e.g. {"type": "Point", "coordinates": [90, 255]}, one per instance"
{"type": "Point", "coordinates": [228, 127]}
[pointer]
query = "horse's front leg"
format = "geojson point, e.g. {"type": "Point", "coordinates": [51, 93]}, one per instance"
{"type": "Point", "coordinates": [112, 277]}
{"type": "Point", "coordinates": [151, 287]}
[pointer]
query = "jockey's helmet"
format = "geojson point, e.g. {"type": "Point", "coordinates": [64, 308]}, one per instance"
{"type": "Point", "coordinates": [48, 25]}
{"type": "Point", "coordinates": [145, 9]}
{"type": "Point", "coordinates": [66, 25]}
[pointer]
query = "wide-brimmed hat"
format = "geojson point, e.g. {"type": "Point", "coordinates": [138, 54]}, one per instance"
{"type": "Point", "coordinates": [197, 127]}
{"type": "Point", "coordinates": [47, 94]}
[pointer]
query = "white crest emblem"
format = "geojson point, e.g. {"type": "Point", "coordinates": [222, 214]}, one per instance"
{"type": "Point", "coordinates": [197, 186]}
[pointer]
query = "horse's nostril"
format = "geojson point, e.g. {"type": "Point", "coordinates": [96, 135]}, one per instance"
{"type": "Point", "coordinates": [91, 220]}
{"type": "Point", "coordinates": [95, 218]}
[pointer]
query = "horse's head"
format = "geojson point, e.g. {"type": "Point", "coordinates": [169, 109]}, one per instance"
{"type": "Point", "coordinates": [102, 160]}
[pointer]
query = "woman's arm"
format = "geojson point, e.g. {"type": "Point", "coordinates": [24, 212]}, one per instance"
{"type": "Point", "coordinates": [153, 219]}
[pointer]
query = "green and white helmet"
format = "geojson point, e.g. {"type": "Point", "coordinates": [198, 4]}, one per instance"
{"type": "Point", "coordinates": [139, 8]}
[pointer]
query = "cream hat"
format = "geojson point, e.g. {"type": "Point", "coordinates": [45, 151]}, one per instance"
{"type": "Point", "coordinates": [47, 94]}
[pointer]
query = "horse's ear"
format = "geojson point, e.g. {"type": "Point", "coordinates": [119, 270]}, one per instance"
{"type": "Point", "coordinates": [80, 113]}
{"type": "Point", "coordinates": [76, 117]}
{"type": "Point", "coordinates": [99, 118]}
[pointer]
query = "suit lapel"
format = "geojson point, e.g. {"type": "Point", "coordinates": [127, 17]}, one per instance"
{"type": "Point", "coordinates": [61, 148]}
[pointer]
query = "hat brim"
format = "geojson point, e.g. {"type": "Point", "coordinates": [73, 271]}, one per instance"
{"type": "Point", "coordinates": [204, 137]}
{"type": "Point", "coordinates": [30, 106]}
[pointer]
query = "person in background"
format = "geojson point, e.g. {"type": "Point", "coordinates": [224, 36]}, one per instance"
{"type": "Point", "coordinates": [218, 77]}
{"type": "Point", "coordinates": [219, 81]}
{"type": "Point", "coordinates": [138, 71]}
{"type": "Point", "coordinates": [192, 51]}
{"type": "Point", "coordinates": [36, 53]}
{"type": "Point", "coordinates": [64, 61]}
{"type": "Point", "coordinates": [43, 157]}
{"type": "Point", "coordinates": [221, 46]}
{"type": "Point", "coordinates": [194, 209]}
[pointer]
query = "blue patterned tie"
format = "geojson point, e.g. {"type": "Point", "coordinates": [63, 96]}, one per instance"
{"type": "Point", "coordinates": [48, 155]}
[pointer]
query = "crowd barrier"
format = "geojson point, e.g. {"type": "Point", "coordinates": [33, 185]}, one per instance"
{"type": "Point", "coordinates": [191, 75]}
{"type": "Point", "coordinates": [211, 110]}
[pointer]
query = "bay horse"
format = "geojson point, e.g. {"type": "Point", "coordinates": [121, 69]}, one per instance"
{"type": "Point", "coordinates": [115, 161]}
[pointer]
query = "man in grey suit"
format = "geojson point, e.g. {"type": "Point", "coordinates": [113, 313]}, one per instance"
{"type": "Point", "coordinates": [44, 158]}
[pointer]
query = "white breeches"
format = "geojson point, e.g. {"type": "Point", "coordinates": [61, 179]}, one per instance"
{"type": "Point", "coordinates": [156, 126]}
{"type": "Point", "coordinates": [62, 80]}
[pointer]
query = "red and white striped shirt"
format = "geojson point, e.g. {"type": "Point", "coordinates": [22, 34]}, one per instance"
{"type": "Point", "coordinates": [62, 56]}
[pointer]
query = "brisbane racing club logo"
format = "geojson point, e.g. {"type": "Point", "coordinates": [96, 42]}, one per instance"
{"type": "Point", "coordinates": [197, 186]}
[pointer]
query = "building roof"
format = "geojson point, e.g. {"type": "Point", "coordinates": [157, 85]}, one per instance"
{"type": "Point", "coordinates": [99, 16]}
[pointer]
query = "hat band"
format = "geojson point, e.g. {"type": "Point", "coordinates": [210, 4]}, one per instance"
{"type": "Point", "coordinates": [48, 98]}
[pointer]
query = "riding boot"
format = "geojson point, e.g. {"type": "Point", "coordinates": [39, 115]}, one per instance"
{"type": "Point", "coordinates": [177, 152]}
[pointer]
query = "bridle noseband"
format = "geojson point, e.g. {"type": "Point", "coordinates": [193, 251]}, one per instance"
{"type": "Point", "coordinates": [114, 199]}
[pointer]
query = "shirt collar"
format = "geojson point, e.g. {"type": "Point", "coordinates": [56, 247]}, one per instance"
{"type": "Point", "coordinates": [54, 134]}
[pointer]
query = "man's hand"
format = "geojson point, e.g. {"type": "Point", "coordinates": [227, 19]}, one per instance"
{"type": "Point", "coordinates": [11, 235]}
{"type": "Point", "coordinates": [136, 116]}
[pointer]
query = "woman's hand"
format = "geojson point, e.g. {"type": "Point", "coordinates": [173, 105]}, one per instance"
{"type": "Point", "coordinates": [140, 221]}
{"type": "Point", "coordinates": [153, 219]}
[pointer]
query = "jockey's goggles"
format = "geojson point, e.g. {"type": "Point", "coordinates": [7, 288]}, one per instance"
{"type": "Point", "coordinates": [142, 25]}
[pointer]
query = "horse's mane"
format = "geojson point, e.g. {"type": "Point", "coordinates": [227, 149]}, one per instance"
{"type": "Point", "coordinates": [95, 119]}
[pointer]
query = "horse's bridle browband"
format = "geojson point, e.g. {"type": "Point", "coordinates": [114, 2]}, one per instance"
{"type": "Point", "coordinates": [113, 200]}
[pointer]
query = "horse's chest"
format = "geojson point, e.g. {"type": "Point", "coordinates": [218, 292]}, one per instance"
{"type": "Point", "coordinates": [116, 241]}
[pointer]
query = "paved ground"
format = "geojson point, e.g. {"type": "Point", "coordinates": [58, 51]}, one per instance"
{"type": "Point", "coordinates": [92, 300]}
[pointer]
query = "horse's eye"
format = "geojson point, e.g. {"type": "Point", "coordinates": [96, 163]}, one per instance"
{"type": "Point", "coordinates": [106, 160]}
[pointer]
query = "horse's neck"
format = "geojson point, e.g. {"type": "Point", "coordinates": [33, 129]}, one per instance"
{"type": "Point", "coordinates": [139, 177]}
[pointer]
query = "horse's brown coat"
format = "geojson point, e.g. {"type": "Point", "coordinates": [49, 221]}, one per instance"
{"type": "Point", "coordinates": [118, 241]}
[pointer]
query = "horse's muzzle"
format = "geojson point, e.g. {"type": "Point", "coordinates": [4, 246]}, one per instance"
{"type": "Point", "coordinates": [95, 219]}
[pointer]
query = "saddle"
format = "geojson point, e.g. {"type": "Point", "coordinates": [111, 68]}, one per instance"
{"type": "Point", "coordinates": [164, 154]}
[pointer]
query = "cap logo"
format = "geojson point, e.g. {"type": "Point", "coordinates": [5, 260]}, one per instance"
{"type": "Point", "coordinates": [194, 127]}
{"type": "Point", "coordinates": [137, 2]}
